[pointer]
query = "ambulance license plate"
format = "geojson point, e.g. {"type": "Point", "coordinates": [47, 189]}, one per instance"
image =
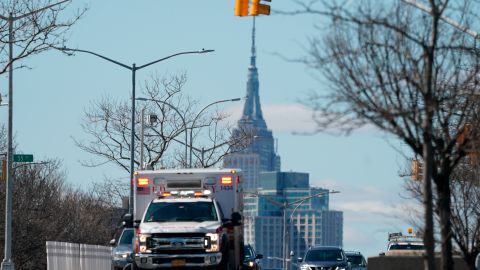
{"type": "Point", "coordinates": [178, 263]}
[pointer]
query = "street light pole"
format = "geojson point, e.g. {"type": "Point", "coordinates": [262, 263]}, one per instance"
{"type": "Point", "coordinates": [7, 263]}
{"type": "Point", "coordinates": [300, 202]}
{"type": "Point", "coordinates": [284, 254]}
{"type": "Point", "coordinates": [195, 119]}
{"type": "Point", "coordinates": [181, 117]}
{"type": "Point", "coordinates": [284, 207]}
{"type": "Point", "coordinates": [134, 69]}
{"type": "Point", "coordinates": [446, 19]}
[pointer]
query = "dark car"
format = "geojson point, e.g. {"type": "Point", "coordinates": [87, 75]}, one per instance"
{"type": "Point", "coordinates": [356, 259]}
{"type": "Point", "coordinates": [251, 259]}
{"type": "Point", "coordinates": [324, 258]}
{"type": "Point", "coordinates": [122, 249]}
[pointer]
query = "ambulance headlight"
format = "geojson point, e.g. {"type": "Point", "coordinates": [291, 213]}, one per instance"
{"type": "Point", "coordinates": [142, 240]}
{"type": "Point", "coordinates": [212, 242]}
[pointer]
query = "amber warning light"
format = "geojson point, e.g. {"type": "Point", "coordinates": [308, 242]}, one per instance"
{"type": "Point", "coordinates": [142, 182]}
{"type": "Point", "coordinates": [226, 180]}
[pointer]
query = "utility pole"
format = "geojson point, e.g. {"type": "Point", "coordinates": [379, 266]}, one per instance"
{"type": "Point", "coordinates": [7, 263]}
{"type": "Point", "coordinates": [133, 68]}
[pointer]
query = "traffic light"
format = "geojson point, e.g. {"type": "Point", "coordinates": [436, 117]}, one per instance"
{"type": "Point", "coordinates": [4, 170]}
{"type": "Point", "coordinates": [241, 8]}
{"type": "Point", "coordinates": [259, 8]}
{"type": "Point", "coordinates": [417, 170]}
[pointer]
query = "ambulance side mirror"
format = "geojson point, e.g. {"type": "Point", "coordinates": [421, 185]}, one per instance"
{"type": "Point", "coordinates": [136, 223]}
{"type": "Point", "coordinates": [128, 220]}
{"type": "Point", "coordinates": [226, 223]}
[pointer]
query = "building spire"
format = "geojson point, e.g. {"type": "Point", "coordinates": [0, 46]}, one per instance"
{"type": "Point", "coordinates": [252, 111]}
{"type": "Point", "coordinates": [254, 52]}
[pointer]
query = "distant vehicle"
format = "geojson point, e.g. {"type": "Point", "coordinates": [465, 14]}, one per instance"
{"type": "Point", "coordinates": [251, 259]}
{"type": "Point", "coordinates": [122, 249]}
{"type": "Point", "coordinates": [325, 258]}
{"type": "Point", "coordinates": [399, 244]}
{"type": "Point", "coordinates": [356, 259]}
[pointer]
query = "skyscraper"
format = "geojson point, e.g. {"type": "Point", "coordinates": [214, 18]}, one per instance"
{"type": "Point", "coordinates": [309, 222]}
{"type": "Point", "coordinates": [259, 154]}
{"type": "Point", "coordinates": [268, 190]}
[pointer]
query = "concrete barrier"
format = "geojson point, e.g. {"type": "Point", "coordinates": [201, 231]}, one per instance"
{"type": "Point", "coordinates": [410, 262]}
{"type": "Point", "coordinates": [72, 256]}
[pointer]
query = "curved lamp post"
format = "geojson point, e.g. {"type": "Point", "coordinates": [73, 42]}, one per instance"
{"type": "Point", "coordinates": [299, 203]}
{"type": "Point", "coordinates": [285, 205]}
{"type": "Point", "coordinates": [134, 68]}
{"type": "Point", "coordinates": [179, 114]}
{"type": "Point", "coordinates": [195, 119]}
{"type": "Point", "coordinates": [186, 144]}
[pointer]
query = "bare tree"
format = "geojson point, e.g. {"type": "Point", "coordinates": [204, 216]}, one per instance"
{"type": "Point", "coordinates": [466, 211]}
{"type": "Point", "coordinates": [465, 207]}
{"type": "Point", "coordinates": [46, 208]}
{"type": "Point", "coordinates": [107, 122]}
{"type": "Point", "coordinates": [35, 33]}
{"type": "Point", "coordinates": [407, 73]}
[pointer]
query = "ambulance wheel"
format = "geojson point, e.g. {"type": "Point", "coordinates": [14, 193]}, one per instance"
{"type": "Point", "coordinates": [224, 264]}
{"type": "Point", "coordinates": [133, 266]}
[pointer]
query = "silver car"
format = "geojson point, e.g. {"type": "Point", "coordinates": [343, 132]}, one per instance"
{"type": "Point", "coordinates": [324, 258]}
{"type": "Point", "coordinates": [122, 249]}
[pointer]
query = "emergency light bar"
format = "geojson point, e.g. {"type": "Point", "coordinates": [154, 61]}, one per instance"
{"type": "Point", "coordinates": [226, 180]}
{"type": "Point", "coordinates": [141, 182]}
{"type": "Point", "coordinates": [184, 193]}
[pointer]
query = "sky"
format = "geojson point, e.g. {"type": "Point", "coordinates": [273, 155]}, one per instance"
{"type": "Point", "coordinates": [50, 98]}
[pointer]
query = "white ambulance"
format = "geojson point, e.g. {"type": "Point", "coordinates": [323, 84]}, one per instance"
{"type": "Point", "coordinates": [188, 218]}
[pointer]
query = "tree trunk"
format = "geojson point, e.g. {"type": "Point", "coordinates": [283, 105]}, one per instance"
{"type": "Point", "coordinates": [444, 211]}
{"type": "Point", "coordinates": [428, 239]}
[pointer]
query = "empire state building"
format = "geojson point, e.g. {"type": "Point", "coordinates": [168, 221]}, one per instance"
{"type": "Point", "coordinates": [259, 154]}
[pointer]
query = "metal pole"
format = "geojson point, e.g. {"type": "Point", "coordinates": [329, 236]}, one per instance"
{"type": "Point", "coordinates": [132, 143]}
{"type": "Point", "coordinates": [284, 267]}
{"type": "Point", "coordinates": [195, 119]}
{"type": "Point", "coordinates": [142, 136]}
{"type": "Point", "coordinates": [186, 145]}
{"type": "Point", "coordinates": [7, 261]}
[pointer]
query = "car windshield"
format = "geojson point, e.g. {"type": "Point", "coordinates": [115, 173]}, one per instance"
{"type": "Point", "coordinates": [324, 255]}
{"type": "Point", "coordinates": [406, 247]}
{"type": "Point", "coordinates": [356, 260]}
{"type": "Point", "coordinates": [180, 211]}
{"type": "Point", "coordinates": [248, 252]}
{"type": "Point", "coordinates": [126, 238]}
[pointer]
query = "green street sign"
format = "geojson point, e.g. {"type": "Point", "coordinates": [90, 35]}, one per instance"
{"type": "Point", "coordinates": [22, 158]}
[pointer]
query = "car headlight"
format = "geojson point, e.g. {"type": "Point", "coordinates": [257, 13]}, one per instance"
{"type": "Point", "coordinates": [121, 255]}
{"type": "Point", "coordinates": [305, 267]}
{"type": "Point", "coordinates": [142, 240]}
{"type": "Point", "coordinates": [212, 242]}
{"type": "Point", "coordinates": [250, 264]}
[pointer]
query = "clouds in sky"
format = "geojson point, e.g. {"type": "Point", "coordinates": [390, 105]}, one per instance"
{"type": "Point", "coordinates": [371, 207]}
{"type": "Point", "coordinates": [281, 118]}
{"type": "Point", "coordinates": [369, 214]}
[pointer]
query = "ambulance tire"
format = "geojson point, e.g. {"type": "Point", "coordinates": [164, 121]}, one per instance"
{"type": "Point", "coordinates": [224, 264]}
{"type": "Point", "coordinates": [133, 266]}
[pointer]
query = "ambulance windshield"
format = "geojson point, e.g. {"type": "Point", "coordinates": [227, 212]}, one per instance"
{"type": "Point", "coordinates": [181, 212]}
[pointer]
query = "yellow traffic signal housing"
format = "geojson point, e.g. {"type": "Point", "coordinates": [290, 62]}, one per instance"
{"type": "Point", "coordinates": [259, 8]}
{"type": "Point", "coordinates": [241, 8]}
{"type": "Point", "coordinates": [4, 171]}
{"type": "Point", "coordinates": [417, 170]}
